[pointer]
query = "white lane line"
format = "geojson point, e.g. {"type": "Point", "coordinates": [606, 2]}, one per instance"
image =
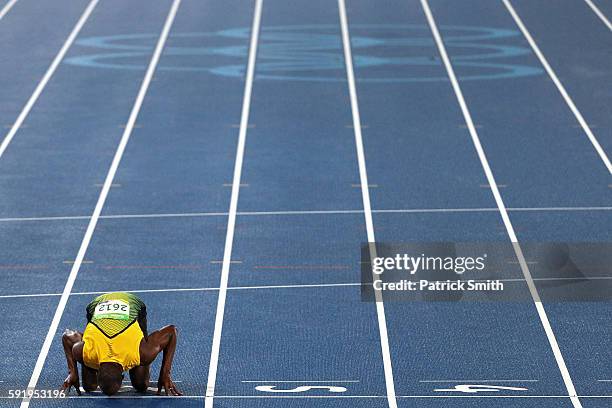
{"type": "Point", "coordinates": [502, 208]}
{"type": "Point", "coordinates": [312, 285]}
{"type": "Point", "coordinates": [261, 287]}
{"type": "Point", "coordinates": [560, 87]}
{"type": "Point", "coordinates": [473, 381]}
{"type": "Point", "coordinates": [305, 212]}
{"type": "Point", "coordinates": [231, 220]}
{"type": "Point", "coordinates": [45, 79]}
{"type": "Point", "coordinates": [207, 289]}
{"type": "Point", "coordinates": [152, 382]}
{"type": "Point", "coordinates": [101, 200]}
{"type": "Point", "coordinates": [6, 8]}
{"type": "Point", "coordinates": [367, 209]}
{"type": "Point", "coordinates": [299, 381]}
{"type": "Point", "coordinates": [211, 289]}
{"type": "Point", "coordinates": [29, 295]}
{"type": "Point", "coordinates": [85, 396]}
{"type": "Point", "coordinates": [494, 209]}
{"type": "Point", "coordinates": [600, 14]}
{"type": "Point", "coordinates": [51, 218]}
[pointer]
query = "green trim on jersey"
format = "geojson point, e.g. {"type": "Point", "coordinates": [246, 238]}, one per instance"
{"type": "Point", "coordinates": [112, 313]}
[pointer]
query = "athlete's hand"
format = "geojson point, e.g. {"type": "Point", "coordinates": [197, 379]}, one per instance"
{"type": "Point", "coordinates": [72, 381]}
{"type": "Point", "coordinates": [169, 387]}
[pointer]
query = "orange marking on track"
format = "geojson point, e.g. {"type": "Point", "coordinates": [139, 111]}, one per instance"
{"type": "Point", "coordinates": [151, 266]}
{"type": "Point", "coordinates": [25, 266]}
{"type": "Point", "coordinates": [301, 266]}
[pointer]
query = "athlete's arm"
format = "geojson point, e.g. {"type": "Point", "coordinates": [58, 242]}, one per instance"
{"type": "Point", "coordinates": [142, 321]}
{"type": "Point", "coordinates": [158, 341]}
{"type": "Point", "coordinates": [72, 340]}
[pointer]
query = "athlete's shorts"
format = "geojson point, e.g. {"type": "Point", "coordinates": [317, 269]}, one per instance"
{"type": "Point", "coordinates": [123, 349]}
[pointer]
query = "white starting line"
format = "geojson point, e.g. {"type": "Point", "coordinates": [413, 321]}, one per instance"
{"type": "Point", "coordinates": [260, 287]}
{"type": "Point", "coordinates": [324, 396]}
{"type": "Point", "coordinates": [307, 212]}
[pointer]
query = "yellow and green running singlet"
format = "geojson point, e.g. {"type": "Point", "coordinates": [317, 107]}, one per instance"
{"type": "Point", "coordinates": [112, 313]}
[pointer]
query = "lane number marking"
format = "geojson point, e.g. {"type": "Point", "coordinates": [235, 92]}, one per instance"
{"type": "Point", "coordinates": [301, 388]}
{"type": "Point", "coordinates": [475, 388]}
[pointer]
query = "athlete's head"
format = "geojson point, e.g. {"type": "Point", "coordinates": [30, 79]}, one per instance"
{"type": "Point", "coordinates": [110, 376]}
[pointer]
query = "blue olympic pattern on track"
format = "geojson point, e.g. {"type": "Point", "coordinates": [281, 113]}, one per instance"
{"type": "Point", "coordinates": [314, 53]}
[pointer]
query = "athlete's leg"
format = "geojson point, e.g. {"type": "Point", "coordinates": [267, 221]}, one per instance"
{"type": "Point", "coordinates": [90, 378]}
{"type": "Point", "coordinates": [139, 376]}
{"type": "Point", "coordinates": [89, 375]}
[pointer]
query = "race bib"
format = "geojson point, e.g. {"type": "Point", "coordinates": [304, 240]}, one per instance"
{"type": "Point", "coordinates": [112, 309]}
